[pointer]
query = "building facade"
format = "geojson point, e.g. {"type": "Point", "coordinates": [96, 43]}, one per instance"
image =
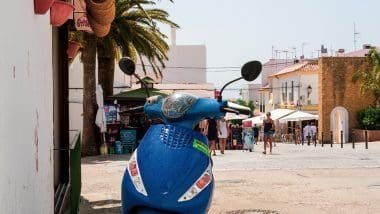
{"type": "Point", "coordinates": [26, 110]}
{"type": "Point", "coordinates": [259, 92]}
{"type": "Point", "coordinates": [295, 87]}
{"type": "Point", "coordinates": [339, 98]}
{"type": "Point", "coordinates": [251, 92]}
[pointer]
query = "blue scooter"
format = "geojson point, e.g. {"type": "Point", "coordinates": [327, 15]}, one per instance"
{"type": "Point", "coordinates": [171, 170]}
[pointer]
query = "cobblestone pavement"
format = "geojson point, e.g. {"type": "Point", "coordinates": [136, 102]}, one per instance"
{"type": "Point", "coordinates": [295, 179]}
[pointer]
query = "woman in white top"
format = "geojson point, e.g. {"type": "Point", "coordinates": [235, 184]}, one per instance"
{"type": "Point", "coordinates": [222, 134]}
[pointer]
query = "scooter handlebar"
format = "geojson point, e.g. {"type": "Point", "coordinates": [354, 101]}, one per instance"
{"type": "Point", "coordinates": [237, 109]}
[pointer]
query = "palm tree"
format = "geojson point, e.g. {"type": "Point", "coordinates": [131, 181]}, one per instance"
{"type": "Point", "coordinates": [89, 101]}
{"type": "Point", "coordinates": [247, 103]}
{"type": "Point", "coordinates": [370, 79]}
{"type": "Point", "coordinates": [134, 34]}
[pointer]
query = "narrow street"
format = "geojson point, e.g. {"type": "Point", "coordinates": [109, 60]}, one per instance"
{"type": "Point", "coordinates": [294, 179]}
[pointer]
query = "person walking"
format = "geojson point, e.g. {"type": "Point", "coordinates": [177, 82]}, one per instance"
{"type": "Point", "coordinates": [212, 134]}
{"type": "Point", "coordinates": [307, 133]}
{"type": "Point", "coordinates": [222, 134]}
{"type": "Point", "coordinates": [313, 130]}
{"type": "Point", "coordinates": [269, 128]}
{"type": "Point", "coordinates": [248, 139]}
{"type": "Point", "coordinates": [297, 135]}
{"type": "Point", "coordinates": [255, 133]}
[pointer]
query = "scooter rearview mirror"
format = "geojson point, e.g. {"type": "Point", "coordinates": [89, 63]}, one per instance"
{"type": "Point", "coordinates": [251, 70]}
{"type": "Point", "coordinates": [127, 65]}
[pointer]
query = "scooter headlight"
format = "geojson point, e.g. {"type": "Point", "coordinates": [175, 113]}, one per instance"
{"type": "Point", "coordinates": [134, 173]}
{"type": "Point", "coordinates": [203, 181]}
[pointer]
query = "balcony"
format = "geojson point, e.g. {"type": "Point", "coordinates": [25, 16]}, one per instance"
{"type": "Point", "coordinates": [293, 106]}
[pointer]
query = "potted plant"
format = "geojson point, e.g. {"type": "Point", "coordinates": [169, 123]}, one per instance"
{"type": "Point", "coordinates": [75, 43]}
{"type": "Point", "coordinates": [42, 6]}
{"type": "Point", "coordinates": [60, 12]}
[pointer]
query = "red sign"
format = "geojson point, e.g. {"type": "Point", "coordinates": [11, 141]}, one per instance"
{"type": "Point", "coordinates": [80, 16]}
{"type": "Point", "coordinates": [216, 94]}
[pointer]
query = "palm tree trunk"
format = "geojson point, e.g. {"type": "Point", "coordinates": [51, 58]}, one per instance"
{"type": "Point", "coordinates": [106, 68]}
{"type": "Point", "coordinates": [89, 144]}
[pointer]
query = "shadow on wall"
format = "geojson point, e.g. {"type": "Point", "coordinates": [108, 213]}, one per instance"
{"type": "Point", "coordinates": [111, 206]}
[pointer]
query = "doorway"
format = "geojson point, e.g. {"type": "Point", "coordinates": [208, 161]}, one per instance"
{"type": "Point", "coordinates": [338, 123]}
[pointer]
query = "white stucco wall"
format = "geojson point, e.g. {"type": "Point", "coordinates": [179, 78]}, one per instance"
{"type": "Point", "coordinates": [26, 110]}
{"type": "Point", "coordinates": [251, 92]}
{"type": "Point", "coordinates": [301, 82]}
{"type": "Point", "coordinates": [193, 58]}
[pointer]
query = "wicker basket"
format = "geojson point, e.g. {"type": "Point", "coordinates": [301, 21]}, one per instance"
{"type": "Point", "coordinates": [99, 4]}
{"type": "Point", "coordinates": [99, 29]}
{"type": "Point", "coordinates": [103, 16]}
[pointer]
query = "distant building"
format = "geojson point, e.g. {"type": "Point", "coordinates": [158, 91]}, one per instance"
{"type": "Point", "coordinates": [359, 53]}
{"type": "Point", "coordinates": [294, 87]}
{"type": "Point", "coordinates": [339, 98]}
{"type": "Point", "coordinates": [273, 66]}
{"type": "Point", "coordinates": [34, 142]}
{"type": "Point", "coordinates": [186, 64]}
{"type": "Point", "coordinates": [251, 92]}
{"type": "Point", "coordinates": [254, 92]}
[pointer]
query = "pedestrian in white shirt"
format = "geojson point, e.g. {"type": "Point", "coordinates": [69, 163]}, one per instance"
{"type": "Point", "coordinates": [313, 130]}
{"type": "Point", "coordinates": [307, 132]}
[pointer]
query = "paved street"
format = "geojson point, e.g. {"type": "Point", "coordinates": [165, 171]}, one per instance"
{"type": "Point", "coordinates": [295, 179]}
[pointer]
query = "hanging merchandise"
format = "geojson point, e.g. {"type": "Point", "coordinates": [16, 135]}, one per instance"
{"type": "Point", "coordinates": [80, 16]}
{"type": "Point", "coordinates": [60, 12]}
{"type": "Point", "coordinates": [42, 6]}
{"type": "Point", "coordinates": [100, 15]}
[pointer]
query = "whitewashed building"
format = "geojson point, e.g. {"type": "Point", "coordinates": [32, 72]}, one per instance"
{"type": "Point", "coordinates": [294, 87]}
{"type": "Point", "coordinates": [254, 92]}
{"type": "Point", "coordinates": [29, 119]}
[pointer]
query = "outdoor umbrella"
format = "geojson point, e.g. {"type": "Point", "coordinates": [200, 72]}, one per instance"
{"type": "Point", "coordinates": [299, 116]}
{"type": "Point", "coordinates": [100, 120]}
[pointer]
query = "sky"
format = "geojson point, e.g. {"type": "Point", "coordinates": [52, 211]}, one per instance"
{"type": "Point", "coordinates": [238, 31]}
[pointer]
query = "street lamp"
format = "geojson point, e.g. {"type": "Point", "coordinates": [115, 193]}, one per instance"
{"type": "Point", "coordinates": [308, 94]}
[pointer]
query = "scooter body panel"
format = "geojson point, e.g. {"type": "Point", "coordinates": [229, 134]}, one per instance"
{"type": "Point", "coordinates": [170, 160]}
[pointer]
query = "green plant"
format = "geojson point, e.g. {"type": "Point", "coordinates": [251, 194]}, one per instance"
{"type": "Point", "coordinates": [370, 79]}
{"type": "Point", "coordinates": [76, 36]}
{"type": "Point", "coordinates": [247, 103]}
{"type": "Point", "coordinates": [369, 118]}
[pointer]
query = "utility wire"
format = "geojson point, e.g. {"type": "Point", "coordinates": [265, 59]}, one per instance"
{"type": "Point", "coordinates": [220, 68]}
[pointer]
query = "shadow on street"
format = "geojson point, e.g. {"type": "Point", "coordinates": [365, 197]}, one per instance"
{"type": "Point", "coordinates": [105, 158]}
{"type": "Point", "coordinates": [111, 206]}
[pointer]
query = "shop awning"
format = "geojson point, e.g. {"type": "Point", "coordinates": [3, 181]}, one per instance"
{"type": "Point", "coordinates": [299, 116]}
{"type": "Point", "coordinates": [279, 113]}
{"type": "Point", "coordinates": [253, 120]}
{"type": "Point", "coordinates": [139, 93]}
{"type": "Point", "coordinates": [275, 115]}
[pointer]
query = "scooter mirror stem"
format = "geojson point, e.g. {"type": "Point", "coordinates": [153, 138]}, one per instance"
{"type": "Point", "coordinates": [145, 86]}
{"type": "Point", "coordinates": [221, 91]}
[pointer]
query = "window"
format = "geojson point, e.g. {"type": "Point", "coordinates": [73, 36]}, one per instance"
{"type": "Point", "coordinates": [284, 92]}
{"type": "Point", "coordinates": [291, 94]}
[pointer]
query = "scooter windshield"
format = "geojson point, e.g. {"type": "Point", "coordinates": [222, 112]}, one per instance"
{"type": "Point", "coordinates": [176, 105]}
